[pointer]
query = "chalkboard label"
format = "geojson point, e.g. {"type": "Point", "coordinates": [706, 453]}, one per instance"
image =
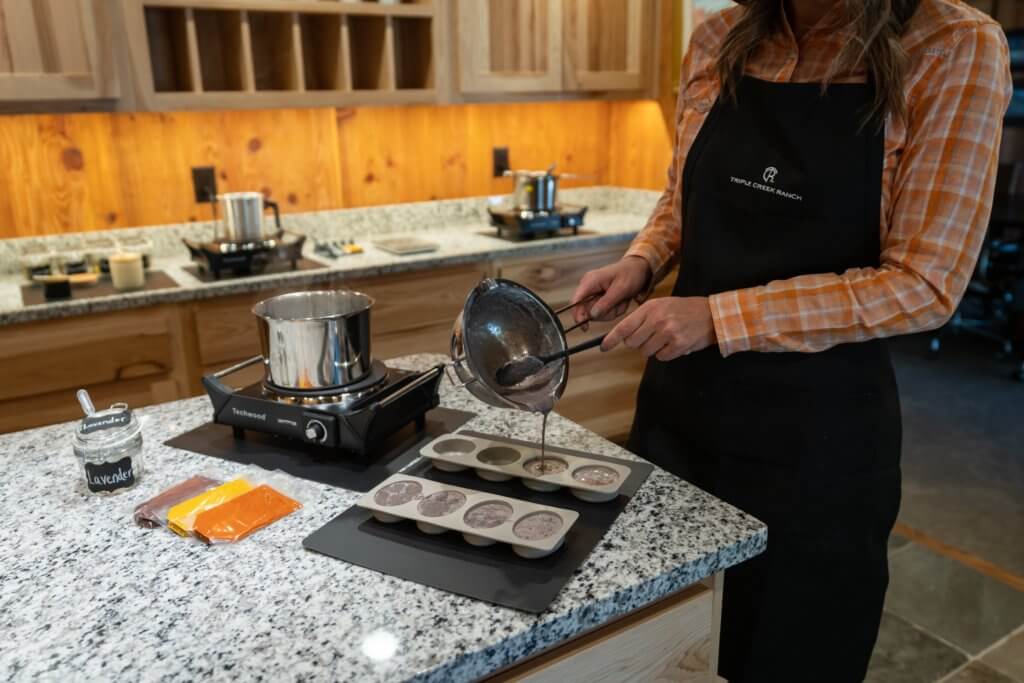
{"type": "Point", "coordinates": [109, 476]}
{"type": "Point", "coordinates": [96, 423]}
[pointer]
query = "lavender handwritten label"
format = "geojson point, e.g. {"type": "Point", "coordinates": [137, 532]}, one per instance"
{"type": "Point", "coordinates": [109, 476]}
{"type": "Point", "coordinates": [95, 423]}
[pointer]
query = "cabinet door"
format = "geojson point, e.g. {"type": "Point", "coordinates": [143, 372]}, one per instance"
{"type": "Point", "coordinates": [133, 356]}
{"type": "Point", "coordinates": [510, 45]}
{"type": "Point", "coordinates": [56, 50]}
{"type": "Point", "coordinates": [609, 44]}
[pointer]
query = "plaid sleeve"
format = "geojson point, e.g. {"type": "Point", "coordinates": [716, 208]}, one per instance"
{"type": "Point", "coordinates": [941, 199]}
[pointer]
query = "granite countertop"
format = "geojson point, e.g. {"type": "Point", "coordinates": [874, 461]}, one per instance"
{"type": "Point", "coordinates": [85, 594]}
{"type": "Point", "coordinates": [461, 227]}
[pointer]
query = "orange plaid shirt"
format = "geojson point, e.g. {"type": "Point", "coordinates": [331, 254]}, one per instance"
{"type": "Point", "coordinates": [937, 183]}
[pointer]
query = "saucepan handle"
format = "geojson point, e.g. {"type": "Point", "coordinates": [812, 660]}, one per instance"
{"type": "Point", "coordinates": [455, 380]}
{"type": "Point", "coordinates": [574, 304]}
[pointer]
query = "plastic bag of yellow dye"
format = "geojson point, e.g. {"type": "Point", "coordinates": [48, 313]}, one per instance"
{"type": "Point", "coordinates": [241, 516]}
{"type": "Point", "coordinates": [181, 518]}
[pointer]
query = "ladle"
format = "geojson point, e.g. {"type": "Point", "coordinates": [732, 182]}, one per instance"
{"type": "Point", "coordinates": [518, 369]}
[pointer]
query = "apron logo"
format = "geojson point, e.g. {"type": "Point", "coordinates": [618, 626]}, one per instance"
{"type": "Point", "coordinates": [769, 177]}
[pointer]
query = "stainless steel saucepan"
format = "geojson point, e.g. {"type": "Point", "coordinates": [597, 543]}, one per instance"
{"type": "Point", "coordinates": [315, 340]}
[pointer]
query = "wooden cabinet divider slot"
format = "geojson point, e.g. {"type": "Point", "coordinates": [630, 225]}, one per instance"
{"type": "Point", "coordinates": [276, 57]}
{"type": "Point", "coordinates": [414, 51]}
{"type": "Point", "coordinates": [324, 51]}
{"type": "Point", "coordinates": [371, 52]}
{"type": "Point", "coordinates": [222, 61]}
{"type": "Point", "coordinates": [167, 35]}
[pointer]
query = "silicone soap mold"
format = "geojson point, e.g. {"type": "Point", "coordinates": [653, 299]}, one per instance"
{"type": "Point", "coordinates": [533, 530]}
{"type": "Point", "coordinates": [588, 479]}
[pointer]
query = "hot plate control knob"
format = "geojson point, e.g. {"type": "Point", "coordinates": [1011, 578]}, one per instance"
{"type": "Point", "coordinates": [315, 431]}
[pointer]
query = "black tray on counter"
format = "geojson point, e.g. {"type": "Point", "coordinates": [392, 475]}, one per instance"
{"type": "Point", "coordinates": [494, 573]}
{"type": "Point", "coordinates": [316, 463]}
{"type": "Point", "coordinates": [32, 294]}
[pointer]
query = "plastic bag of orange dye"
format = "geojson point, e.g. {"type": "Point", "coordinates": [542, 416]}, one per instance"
{"type": "Point", "coordinates": [237, 518]}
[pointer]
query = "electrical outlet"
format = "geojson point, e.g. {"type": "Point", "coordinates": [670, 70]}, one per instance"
{"type": "Point", "coordinates": [500, 161]}
{"type": "Point", "coordinates": [204, 183]}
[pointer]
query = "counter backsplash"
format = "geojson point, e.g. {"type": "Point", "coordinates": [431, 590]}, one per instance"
{"type": "Point", "coordinates": [340, 223]}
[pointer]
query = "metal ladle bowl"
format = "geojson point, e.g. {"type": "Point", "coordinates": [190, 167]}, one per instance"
{"type": "Point", "coordinates": [500, 322]}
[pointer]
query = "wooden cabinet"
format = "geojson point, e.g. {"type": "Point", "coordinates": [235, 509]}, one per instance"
{"type": "Point", "coordinates": [209, 54]}
{"type": "Point", "coordinates": [56, 50]}
{"type": "Point", "coordinates": [133, 356]}
{"type": "Point", "coordinates": [159, 55]}
{"type": "Point", "coordinates": [519, 46]}
{"type": "Point", "coordinates": [510, 45]}
{"type": "Point", "coordinates": [604, 44]}
{"type": "Point", "coordinates": [674, 640]}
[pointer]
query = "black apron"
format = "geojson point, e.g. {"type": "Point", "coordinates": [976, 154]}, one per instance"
{"type": "Point", "coordinates": [785, 183]}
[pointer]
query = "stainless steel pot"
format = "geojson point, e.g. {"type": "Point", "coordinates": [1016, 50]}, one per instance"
{"type": "Point", "coordinates": [534, 190]}
{"type": "Point", "coordinates": [501, 321]}
{"type": "Point", "coordinates": [243, 217]}
{"type": "Point", "coordinates": [315, 340]}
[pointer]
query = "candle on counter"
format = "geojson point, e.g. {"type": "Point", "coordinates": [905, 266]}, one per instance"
{"type": "Point", "coordinates": [126, 271]}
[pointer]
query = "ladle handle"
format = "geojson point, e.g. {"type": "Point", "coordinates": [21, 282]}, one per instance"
{"type": "Point", "coordinates": [589, 344]}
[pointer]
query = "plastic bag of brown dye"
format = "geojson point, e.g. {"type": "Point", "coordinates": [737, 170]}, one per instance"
{"type": "Point", "coordinates": [153, 512]}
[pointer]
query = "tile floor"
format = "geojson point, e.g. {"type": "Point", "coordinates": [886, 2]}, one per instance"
{"type": "Point", "coordinates": [955, 608]}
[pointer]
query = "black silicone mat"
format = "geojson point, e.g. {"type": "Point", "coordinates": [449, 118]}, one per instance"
{"type": "Point", "coordinates": [495, 573]}
{"type": "Point", "coordinates": [315, 463]}
{"type": "Point", "coordinates": [204, 275]}
{"type": "Point", "coordinates": [33, 294]}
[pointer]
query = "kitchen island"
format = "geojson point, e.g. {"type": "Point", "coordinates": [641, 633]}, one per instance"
{"type": "Point", "coordinates": [86, 595]}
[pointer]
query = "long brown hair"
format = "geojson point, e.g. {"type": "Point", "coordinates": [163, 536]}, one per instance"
{"type": "Point", "coordinates": [874, 45]}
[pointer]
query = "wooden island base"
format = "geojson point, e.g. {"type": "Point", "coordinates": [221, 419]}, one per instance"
{"type": "Point", "coordinates": [672, 640]}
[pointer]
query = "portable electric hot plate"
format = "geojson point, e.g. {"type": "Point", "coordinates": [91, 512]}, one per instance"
{"type": "Point", "coordinates": [352, 419]}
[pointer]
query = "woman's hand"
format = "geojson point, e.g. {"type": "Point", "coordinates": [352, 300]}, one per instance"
{"type": "Point", "coordinates": [666, 328]}
{"type": "Point", "coordinates": [619, 283]}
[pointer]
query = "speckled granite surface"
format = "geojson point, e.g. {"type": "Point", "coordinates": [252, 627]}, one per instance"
{"type": "Point", "coordinates": [460, 226]}
{"type": "Point", "coordinates": [86, 595]}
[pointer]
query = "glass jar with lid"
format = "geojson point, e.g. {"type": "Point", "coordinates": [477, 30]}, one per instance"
{"type": "Point", "coordinates": [108, 443]}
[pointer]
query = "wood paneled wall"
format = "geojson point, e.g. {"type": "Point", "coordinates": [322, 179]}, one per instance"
{"type": "Point", "coordinates": [73, 172]}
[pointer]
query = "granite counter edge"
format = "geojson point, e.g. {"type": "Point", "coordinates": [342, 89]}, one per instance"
{"type": "Point", "coordinates": [327, 274]}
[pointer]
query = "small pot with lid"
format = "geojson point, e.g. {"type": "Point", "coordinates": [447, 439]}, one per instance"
{"type": "Point", "coordinates": [315, 340]}
{"type": "Point", "coordinates": [534, 190]}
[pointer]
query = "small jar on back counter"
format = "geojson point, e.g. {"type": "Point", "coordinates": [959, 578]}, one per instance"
{"type": "Point", "coordinates": [108, 443]}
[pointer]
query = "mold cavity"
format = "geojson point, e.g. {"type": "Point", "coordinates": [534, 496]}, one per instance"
{"type": "Point", "coordinates": [539, 468]}
{"type": "Point", "coordinates": [537, 526]}
{"type": "Point", "coordinates": [498, 455]}
{"type": "Point", "coordinates": [397, 493]}
{"type": "Point", "coordinates": [454, 446]}
{"type": "Point", "coordinates": [595, 475]}
{"type": "Point", "coordinates": [488, 515]}
{"type": "Point", "coordinates": [441, 503]}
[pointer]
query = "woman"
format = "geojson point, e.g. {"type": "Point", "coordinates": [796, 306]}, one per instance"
{"type": "Point", "coordinates": [832, 179]}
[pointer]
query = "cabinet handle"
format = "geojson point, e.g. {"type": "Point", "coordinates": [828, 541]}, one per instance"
{"type": "Point", "coordinates": [120, 372]}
